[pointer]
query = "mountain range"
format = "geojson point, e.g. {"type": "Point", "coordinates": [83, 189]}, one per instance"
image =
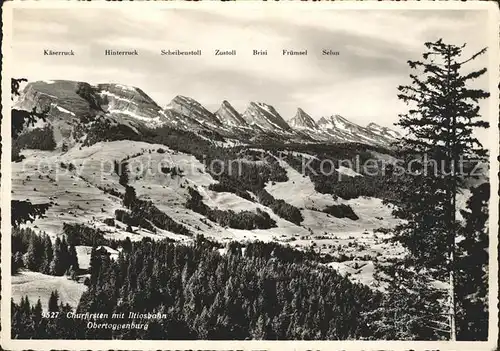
{"type": "Point", "coordinates": [131, 106]}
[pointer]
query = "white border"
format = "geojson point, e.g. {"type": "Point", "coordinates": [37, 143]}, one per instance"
{"type": "Point", "coordinates": [494, 78]}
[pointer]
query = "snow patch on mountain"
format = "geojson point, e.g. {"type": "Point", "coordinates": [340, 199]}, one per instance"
{"type": "Point", "coordinates": [126, 87]}
{"type": "Point", "coordinates": [114, 96]}
{"type": "Point", "coordinates": [265, 116]}
{"type": "Point", "coordinates": [62, 109]}
{"type": "Point", "coordinates": [193, 109]}
{"type": "Point", "coordinates": [342, 130]}
{"type": "Point", "coordinates": [302, 120]}
{"type": "Point", "coordinates": [149, 121]}
{"type": "Point", "coordinates": [227, 114]}
{"type": "Point", "coordinates": [335, 122]}
{"type": "Point", "coordinates": [384, 131]}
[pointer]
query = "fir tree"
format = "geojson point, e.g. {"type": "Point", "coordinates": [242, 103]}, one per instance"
{"type": "Point", "coordinates": [37, 313]}
{"type": "Point", "coordinates": [94, 266]}
{"type": "Point", "coordinates": [123, 173]}
{"type": "Point", "coordinates": [64, 253]}
{"type": "Point", "coordinates": [72, 258]}
{"type": "Point", "coordinates": [129, 197]}
{"type": "Point", "coordinates": [208, 295]}
{"type": "Point", "coordinates": [48, 254]}
{"type": "Point", "coordinates": [440, 127]}
{"type": "Point", "coordinates": [17, 262]}
{"type": "Point", "coordinates": [57, 264]}
{"type": "Point", "coordinates": [31, 258]}
{"type": "Point", "coordinates": [472, 268]}
{"type": "Point", "coordinates": [54, 301]}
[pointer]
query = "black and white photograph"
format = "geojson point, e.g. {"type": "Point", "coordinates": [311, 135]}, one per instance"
{"type": "Point", "coordinates": [250, 173]}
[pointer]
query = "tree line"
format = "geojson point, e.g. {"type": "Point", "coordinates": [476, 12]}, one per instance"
{"type": "Point", "coordinates": [142, 213]}
{"type": "Point", "coordinates": [80, 234]}
{"type": "Point", "coordinates": [28, 322]}
{"type": "Point", "coordinates": [263, 294]}
{"type": "Point", "coordinates": [149, 212]}
{"type": "Point", "coordinates": [240, 220]}
{"type": "Point", "coordinates": [37, 138]}
{"type": "Point", "coordinates": [322, 169]}
{"type": "Point", "coordinates": [37, 253]}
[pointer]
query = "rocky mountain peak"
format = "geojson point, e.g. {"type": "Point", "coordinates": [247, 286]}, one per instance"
{"type": "Point", "coordinates": [339, 128]}
{"type": "Point", "coordinates": [302, 120]}
{"type": "Point", "coordinates": [373, 125]}
{"type": "Point", "coordinates": [265, 116]}
{"type": "Point", "coordinates": [125, 92]}
{"type": "Point", "coordinates": [70, 100]}
{"type": "Point", "coordinates": [336, 122]}
{"type": "Point", "coordinates": [227, 114]}
{"type": "Point", "coordinates": [193, 109]}
{"type": "Point", "coordinates": [383, 131]}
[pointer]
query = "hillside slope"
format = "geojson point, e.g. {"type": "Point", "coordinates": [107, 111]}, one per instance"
{"type": "Point", "coordinates": [89, 194]}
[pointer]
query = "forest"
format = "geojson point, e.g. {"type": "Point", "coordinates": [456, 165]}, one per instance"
{"type": "Point", "coordinates": [266, 293]}
{"type": "Point", "coordinates": [37, 253]}
{"type": "Point", "coordinates": [37, 138]}
{"type": "Point", "coordinates": [375, 181]}
{"type": "Point", "coordinates": [80, 234]}
{"type": "Point", "coordinates": [149, 212]}
{"type": "Point", "coordinates": [240, 220]}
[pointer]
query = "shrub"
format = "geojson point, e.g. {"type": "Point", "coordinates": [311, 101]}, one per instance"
{"type": "Point", "coordinates": [109, 221]}
{"type": "Point", "coordinates": [133, 220]}
{"type": "Point", "coordinates": [341, 211]}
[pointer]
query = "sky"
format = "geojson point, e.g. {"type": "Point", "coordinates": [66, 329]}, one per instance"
{"type": "Point", "coordinates": [359, 84]}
